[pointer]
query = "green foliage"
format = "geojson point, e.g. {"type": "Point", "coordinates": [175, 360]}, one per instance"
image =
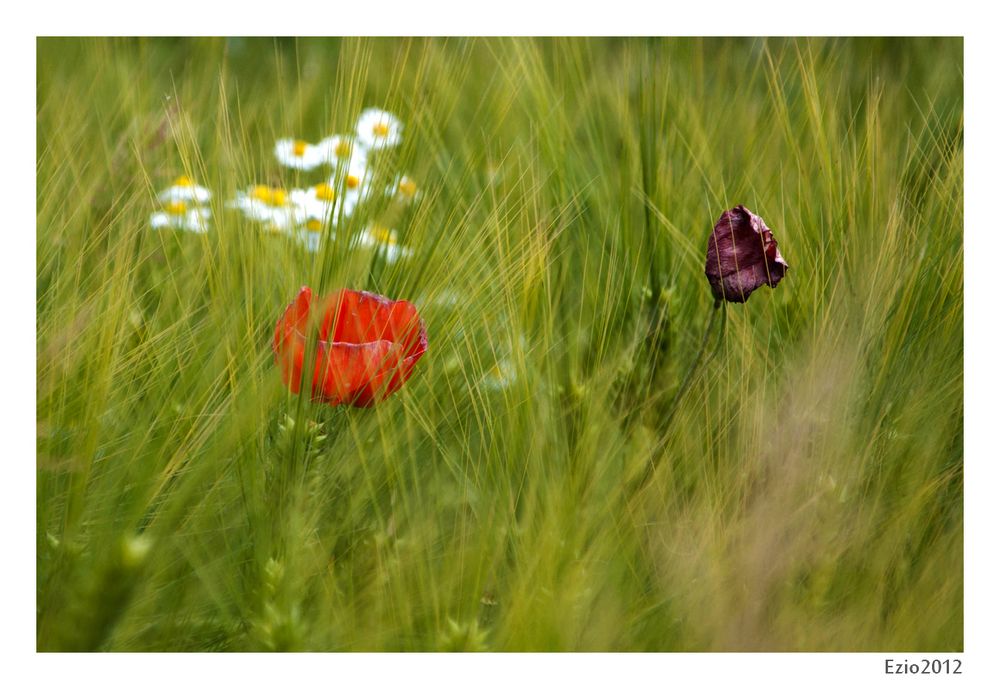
{"type": "Point", "coordinates": [804, 494]}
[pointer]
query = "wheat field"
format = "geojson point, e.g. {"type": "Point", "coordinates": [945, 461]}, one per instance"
{"type": "Point", "coordinates": [589, 456]}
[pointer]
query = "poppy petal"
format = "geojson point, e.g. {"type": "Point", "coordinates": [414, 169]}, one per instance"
{"type": "Point", "coordinates": [367, 345]}
{"type": "Point", "coordinates": [742, 256]}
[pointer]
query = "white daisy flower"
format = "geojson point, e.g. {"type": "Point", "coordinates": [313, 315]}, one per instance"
{"type": "Point", "coordinates": [310, 234]}
{"type": "Point", "coordinates": [342, 148]}
{"type": "Point", "coordinates": [269, 206]}
{"type": "Point", "coordinates": [354, 163]}
{"type": "Point", "coordinates": [504, 372]}
{"type": "Point", "coordinates": [321, 202]}
{"type": "Point", "coordinates": [178, 216]}
{"type": "Point", "coordinates": [183, 190]}
{"type": "Point", "coordinates": [501, 376]}
{"type": "Point", "coordinates": [404, 189]}
{"type": "Point", "coordinates": [385, 242]}
{"type": "Point", "coordinates": [379, 129]}
{"type": "Point", "coordinates": [301, 155]}
{"type": "Point", "coordinates": [353, 181]}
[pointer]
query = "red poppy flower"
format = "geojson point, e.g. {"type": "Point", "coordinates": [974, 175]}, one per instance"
{"type": "Point", "coordinates": [742, 256]}
{"type": "Point", "coordinates": [366, 345]}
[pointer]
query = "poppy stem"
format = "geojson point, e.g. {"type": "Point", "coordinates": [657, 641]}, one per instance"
{"type": "Point", "coordinates": [664, 424]}
{"type": "Point", "coordinates": [695, 365]}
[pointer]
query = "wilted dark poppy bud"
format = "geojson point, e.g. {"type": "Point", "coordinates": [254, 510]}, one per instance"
{"type": "Point", "coordinates": [742, 256]}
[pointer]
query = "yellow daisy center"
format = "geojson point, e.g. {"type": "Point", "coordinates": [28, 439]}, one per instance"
{"type": "Point", "coordinates": [272, 197]}
{"type": "Point", "coordinates": [183, 181]}
{"type": "Point", "coordinates": [324, 192]}
{"type": "Point", "coordinates": [383, 235]}
{"type": "Point", "coordinates": [353, 181]}
{"type": "Point", "coordinates": [299, 147]}
{"type": "Point", "coordinates": [342, 149]}
{"type": "Point", "coordinates": [407, 187]}
{"type": "Point", "coordinates": [176, 208]}
{"type": "Point", "coordinates": [380, 129]}
{"type": "Point", "coordinates": [314, 225]}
